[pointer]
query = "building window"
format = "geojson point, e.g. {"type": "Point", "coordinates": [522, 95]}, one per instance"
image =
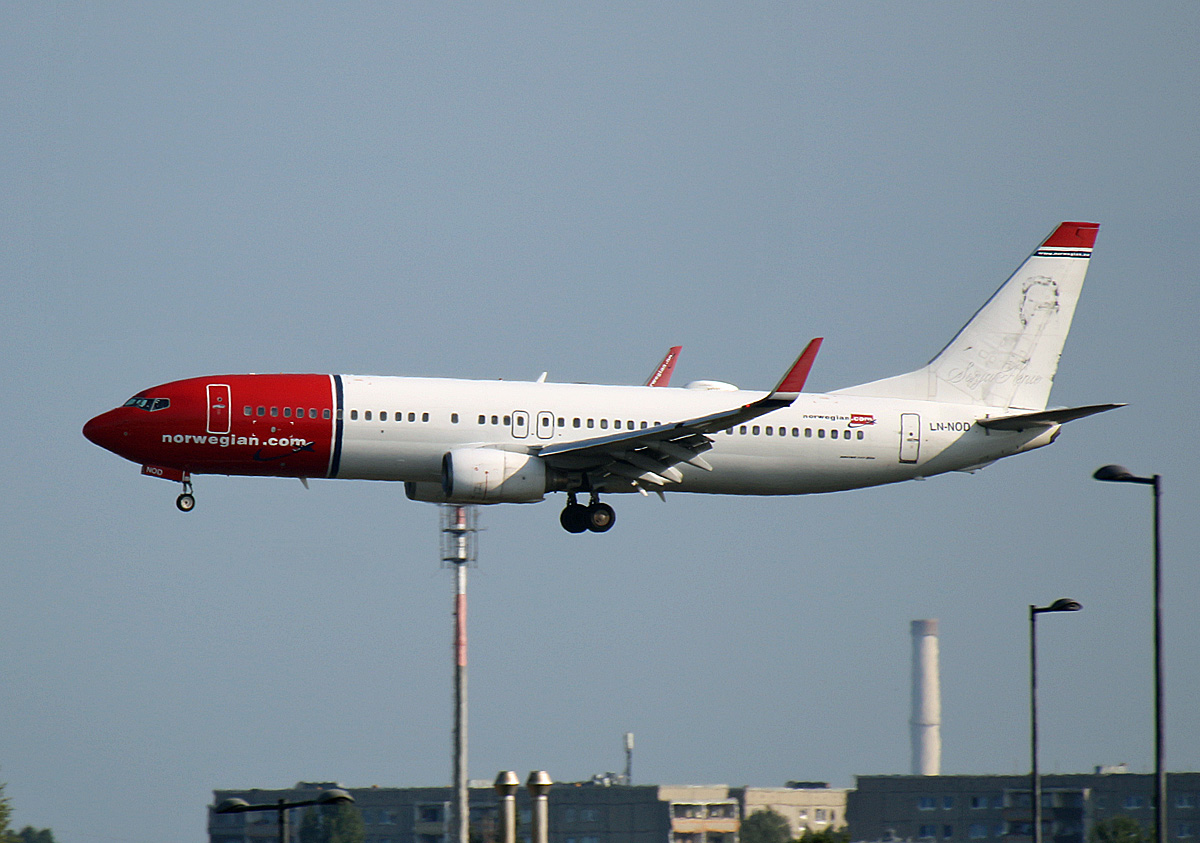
{"type": "Point", "coordinates": [926, 803]}
{"type": "Point", "coordinates": [430, 813]}
{"type": "Point", "coordinates": [1185, 830]}
{"type": "Point", "coordinates": [927, 832]}
{"type": "Point", "coordinates": [977, 831]}
{"type": "Point", "coordinates": [819, 815]}
{"type": "Point", "coordinates": [947, 803]}
{"type": "Point", "coordinates": [979, 803]}
{"type": "Point", "coordinates": [947, 832]}
{"type": "Point", "coordinates": [1133, 802]}
{"type": "Point", "coordinates": [1185, 800]}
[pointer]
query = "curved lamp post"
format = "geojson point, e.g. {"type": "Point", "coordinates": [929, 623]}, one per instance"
{"type": "Point", "coordinates": [1035, 789]}
{"type": "Point", "coordinates": [1121, 474]}
{"type": "Point", "coordinates": [333, 796]}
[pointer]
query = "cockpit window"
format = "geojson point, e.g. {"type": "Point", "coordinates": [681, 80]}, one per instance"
{"type": "Point", "coordinates": [149, 404]}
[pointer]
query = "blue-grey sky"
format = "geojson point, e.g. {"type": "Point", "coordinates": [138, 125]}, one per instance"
{"type": "Point", "coordinates": [494, 190]}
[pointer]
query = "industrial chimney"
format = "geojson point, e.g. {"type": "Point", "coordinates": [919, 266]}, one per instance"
{"type": "Point", "coordinates": [926, 720]}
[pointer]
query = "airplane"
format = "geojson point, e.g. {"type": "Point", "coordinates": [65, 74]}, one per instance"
{"type": "Point", "coordinates": [983, 397]}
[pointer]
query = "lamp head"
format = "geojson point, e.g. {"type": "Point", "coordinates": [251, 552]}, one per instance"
{"type": "Point", "coordinates": [334, 796]}
{"type": "Point", "coordinates": [1114, 473]}
{"type": "Point", "coordinates": [232, 806]}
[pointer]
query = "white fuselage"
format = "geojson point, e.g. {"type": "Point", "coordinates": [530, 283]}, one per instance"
{"type": "Point", "coordinates": [399, 428]}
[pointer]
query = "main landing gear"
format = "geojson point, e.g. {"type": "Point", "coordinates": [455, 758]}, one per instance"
{"type": "Point", "coordinates": [577, 518]}
{"type": "Point", "coordinates": [187, 501]}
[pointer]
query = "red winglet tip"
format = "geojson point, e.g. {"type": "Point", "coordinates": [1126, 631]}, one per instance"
{"type": "Point", "coordinates": [662, 375]}
{"type": "Point", "coordinates": [1073, 235]}
{"type": "Point", "coordinates": [795, 379]}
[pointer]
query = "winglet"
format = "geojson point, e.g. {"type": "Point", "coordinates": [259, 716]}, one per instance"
{"type": "Point", "coordinates": [794, 380]}
{"type": "Point", "coordinates": [662, 374]}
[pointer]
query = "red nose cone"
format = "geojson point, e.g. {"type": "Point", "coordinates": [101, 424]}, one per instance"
{"type": "Point", "coordinates": [104, 431]}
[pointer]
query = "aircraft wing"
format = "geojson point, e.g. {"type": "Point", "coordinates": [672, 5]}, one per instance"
{"type": "Point", "coordinates": [650, 455]}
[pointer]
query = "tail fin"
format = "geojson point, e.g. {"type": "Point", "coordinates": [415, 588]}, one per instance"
{"type": "Point", "coordinates": [1007, 355]}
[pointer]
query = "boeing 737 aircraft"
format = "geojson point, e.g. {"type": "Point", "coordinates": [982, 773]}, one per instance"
{"type": "Point", "coordinates": [983, 397]}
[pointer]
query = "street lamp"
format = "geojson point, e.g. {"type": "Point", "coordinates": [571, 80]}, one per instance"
{"type": "Point", "coordinates": [333, 796]}
{"type": "Point", "coordinates": [1060, 605]}
{"type": "Point", "coordinates": [1121, 474]}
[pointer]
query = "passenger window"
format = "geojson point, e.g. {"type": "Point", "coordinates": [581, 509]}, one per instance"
{"type": "Point", "coordinates": [833, 434]}
{"type": "Point", "coordinates": [808, 433]}
{"type": "Point", "coordinates": [754, 430]}
{"type": "Point", "coordinates": [274, 411]}
{"type": "Point", "coordinates": [574, 422]}
{"type": "Point", "coordinates": [770, 430]}
{"type": "Point", "coordinates": [860, 434]}
{"type": "Point", "coordinates": [325, 414]}
{"type": "Point", "coordinates": [312, 412]}
{"type": "Point", "coordinates": [617, 424]}
{"type": "Point", "coordinates": [545, 421]}
{"type": "Point", "coordinates": [562, 422]}
{"type": "Point", "coordinates": [412, 416]}
{"type": "Point", "coordinates": [643, 425]}
{"type": "Point", "coordinates": [339, 414]}
{"type": "Point", "coordinates": [742, 430]}
{"type": "Point", "coordinates": [795, 431]}
{"type": "Point", "coordinates": [383, 415]}
{"type": "Point", "coordinates": [287, 412]}
{"type": "Point", "coordinates": [454, 418]}
{"type": "Point", "coordinates": [821, 433]}
{"type": "Point", "coordinates": [604, 424]}
{"type": "Point", "coordinates": [483, 419]}
{"type": "Point", "coordinates": [424, 416]}
{"type": "Point", "coordinates": [354, 415]}
{"type": "Point", "coordinates": [367, 415]}
{"type": "Point", "coordinates": [247, 410]}
{"type": "Point", "coordinates": [591, 423]}
{"type": "Point", "coordinates": [495, 420]}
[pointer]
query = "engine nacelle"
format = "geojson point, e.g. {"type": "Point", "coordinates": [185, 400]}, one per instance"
{"type": "Point", "coordinates": [489, 475]}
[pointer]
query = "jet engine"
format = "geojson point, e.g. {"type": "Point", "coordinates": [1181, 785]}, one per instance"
{"type": "Point", "coordinates": [489, 475]}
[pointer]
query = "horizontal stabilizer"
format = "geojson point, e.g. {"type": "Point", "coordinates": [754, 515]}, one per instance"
{"type": "Point", "coordinates": [1045, 418]}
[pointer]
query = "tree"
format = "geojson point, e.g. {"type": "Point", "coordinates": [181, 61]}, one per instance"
{"type": "Point", "coordinates": [5, 813]}
{"type": "Point", "coordinates": [765, 826]}
{"type": "Point", "coordinates": [332, 824]}
{"type": "Point", "coordinates": [825, 835]}
{"type": "Point", "coordinates": [1118, 829]}
{"type": "Point", "coordinates": [28, 834]}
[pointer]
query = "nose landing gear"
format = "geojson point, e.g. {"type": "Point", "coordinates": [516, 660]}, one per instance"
{"type": "Point", "coordinates": [596, 516]}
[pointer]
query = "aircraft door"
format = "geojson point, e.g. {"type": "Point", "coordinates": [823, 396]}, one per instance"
{"type": "Point", "coordinates": [910, 437]}
{"type": "Point", "coordinates": [545, 425]}
{"type": "Point", "coordinates": [218, 408]}
{"type": "Point", "coordinates": [520, 424]}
